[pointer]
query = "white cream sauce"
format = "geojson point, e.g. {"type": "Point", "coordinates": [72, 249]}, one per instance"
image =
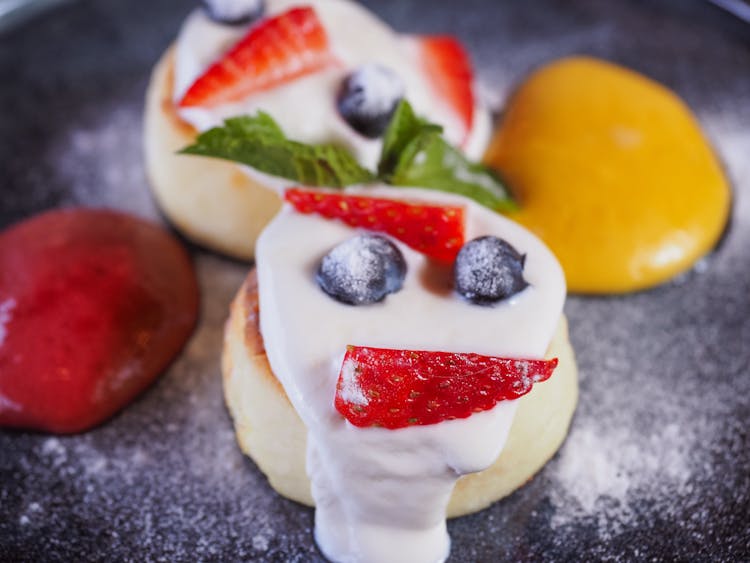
{"type": "Point", "coordinates": [381, 494]}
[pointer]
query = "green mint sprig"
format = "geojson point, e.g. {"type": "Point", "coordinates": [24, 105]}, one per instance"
{"type": "Point", "coordinates": [414, 154]}
{"type": "Point", "coordinates": [260, 143]}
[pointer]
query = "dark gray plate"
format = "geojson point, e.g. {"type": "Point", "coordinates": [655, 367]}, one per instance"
{"type": "Point", "coordinates": [657, 464]}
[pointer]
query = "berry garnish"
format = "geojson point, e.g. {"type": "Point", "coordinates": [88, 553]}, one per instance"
{"type": "Point", "coordinates": [399, 388]}
{"type": "Point", "coordinates": [274, 51]}
{"type": "Point", "coordinates": [437, 231]}
{"type": "Point", "coordinates": [488, 269]}
{"type": "Point", "coordinates": [362, 270]}
{"type": "Point", "coordinates": [234, 12]}
{"type": "Point", "coordinates": [449, 67]}
{"type": "Point", "coordinates": [368, 97]}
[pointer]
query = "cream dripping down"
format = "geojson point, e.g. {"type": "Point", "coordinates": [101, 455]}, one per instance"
{"type": "Point", "coordinates": [381, 494]}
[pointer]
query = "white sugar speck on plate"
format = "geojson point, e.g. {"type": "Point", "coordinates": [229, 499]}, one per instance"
{"type": "Point", "coordinates": [601, 471]}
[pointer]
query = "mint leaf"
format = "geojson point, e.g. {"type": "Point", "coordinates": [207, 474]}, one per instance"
{"type": "Point", "coordinates": [415, 154]}
{"type": "Point", "coordinates": [260, 143]}
{"type": "Point", "coordinates": [430, 162]}
{"type": "Point", "coordinates": [402, 129]}
{"type": "Point", "coordinates": [261, 124]}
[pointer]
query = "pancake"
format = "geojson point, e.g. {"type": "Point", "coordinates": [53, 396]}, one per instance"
{"type": "Point", "coordinates": [211, 201]}
{"type": "Point", "coordinates": [272, 434]}
{"type": "Point", "coordinates": [214, 202]}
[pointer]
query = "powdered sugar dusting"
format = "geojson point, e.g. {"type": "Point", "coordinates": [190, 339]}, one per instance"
{"type": "Point", "coordinates": [7, 404]}
{"type": "Point", "coordinates": [352, 264]}
{"type": "Point", "coordinates": [6, 310]}
{"type": "Point", "coordinates": [376, 89]}
{"type": "Point", "coordinates": [95, 158]}
{"type": "Point", "coordinates": [350, 390]}
{"type": "Point", "coordinates": [362, 269]}
{"type": "Point", "coordinates": [235, 10]}
{"type": "Point", "coordinates": [488, 269]}
{"type": "Point", "coordinates": [601, 473]}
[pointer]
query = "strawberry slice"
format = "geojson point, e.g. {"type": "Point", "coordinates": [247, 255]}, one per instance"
{"type": "Point", "coordinates": [273, 52]}
{"type": "Point", "coordinates": [399, 388]}
{"type": "Point", "coordinates": [437, 231]}
{"type": "Point", "coordinates": [449, 68]}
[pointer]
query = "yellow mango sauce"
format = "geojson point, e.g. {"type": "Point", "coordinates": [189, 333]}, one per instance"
{"type": "Point", "coordinates": [612, 171]}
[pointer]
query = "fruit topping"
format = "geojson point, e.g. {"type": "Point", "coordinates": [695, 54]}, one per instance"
{"type": "Point", "coordinates": [93, 307]}
{"type": "Point", "coordinates": [368, 97]}
{"type": "Point", "coordinates": [399, 388]}
{"type": "Point", "coordinates": [234, 12]}
{"type": "Point", "coordinates": [274, 51]}
{"type": "Point", "coordinates": [449, 67]}
{"type": "Point", "coordinates": [362, 270]}
{"type": "Point", "coordinates": [488, 269]}
{"type": "Point", "coordinates": [434, 230]}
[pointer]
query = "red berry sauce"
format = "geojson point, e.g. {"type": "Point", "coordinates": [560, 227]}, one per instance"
{"type": "Point", "coordinates": [94, 305]}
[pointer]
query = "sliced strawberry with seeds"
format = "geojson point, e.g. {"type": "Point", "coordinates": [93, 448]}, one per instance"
{"type": "Point", "coordinates": [273, 52]}
{"type": "Point", "coordinates": [434, 230]}
{"type": "Point", "coordinates": [449, 68]}
{"type": "Point", "coordinates": [399, 388]}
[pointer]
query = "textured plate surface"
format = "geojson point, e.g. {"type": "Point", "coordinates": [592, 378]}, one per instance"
{"type": "Point", "coordinates": [657, 465]}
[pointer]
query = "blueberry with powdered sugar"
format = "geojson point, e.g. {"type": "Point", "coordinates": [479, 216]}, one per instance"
{"type": "Point", "coordinates": [234, 12]}
{"type": "Point", "coordinates": [487, 270]}
{"type": "Point", "coordinates": [362, 270]}
{"type": "Point", "coordinates": [368, 97]}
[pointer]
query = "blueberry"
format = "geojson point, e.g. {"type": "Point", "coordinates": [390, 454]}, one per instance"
{"type": "Point", "coordinates": [488, 269]}
{"type": "Point", "coordinates": [368, 97]}
{"type": "Point", "coordinates": [234, 12]}
{"type": "Point", "coordinates": [362, 270]}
